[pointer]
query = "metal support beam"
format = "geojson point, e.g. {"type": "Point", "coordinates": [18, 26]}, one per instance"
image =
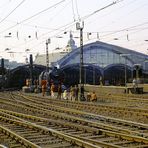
{"type": "Point", "coordinates": [47, 57]}
{"type": "Point", "coordinates": [81, 78]}
{"type": "Point", "coordinates": [81, 66]}
{"type": "Point", "coordinates": [31, 70]}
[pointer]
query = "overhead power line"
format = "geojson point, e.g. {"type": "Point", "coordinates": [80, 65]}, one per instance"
{"type": "Point", "coordinates": [41, 11]}
{"type": "Point", "coordinates": [128, 28]}
{"type": "Point", "coordinates": [77, 10]}
{"type": "Point", "coordinates": [73, 10]}
{"type": "Point", "coordinates": [12, 11]}
{"type": "Point", "coordinates": [33, 16]}
{"type": "Point", "coordinates": [85, 17]}
{"type": "Point", "coordinates": [89, 15]}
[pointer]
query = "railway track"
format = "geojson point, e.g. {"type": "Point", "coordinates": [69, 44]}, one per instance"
{"type": "Point", "coordinates": [98, 137]}
{"type": "Point", "coordinates": [140, 115]}
{"type": "Point", "coordinates": [32, 135]}
{"type": "Point", "coordinates": [140, 101]}
{"type": "Point", "coordinates": [120, 125]}
{"type": "Point", "coordinates": [80, 125]}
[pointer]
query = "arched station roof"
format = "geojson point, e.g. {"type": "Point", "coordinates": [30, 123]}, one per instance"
{"type": "Point", "coordinates": [17, 76]}
{"type": "Point", "coordinates": [26, 68]}
{"type": "Point", "coordinates": [102, 54]}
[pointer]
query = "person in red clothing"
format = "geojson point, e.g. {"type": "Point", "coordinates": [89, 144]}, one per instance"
{"type": "Point", "coordinates": [44, 84]}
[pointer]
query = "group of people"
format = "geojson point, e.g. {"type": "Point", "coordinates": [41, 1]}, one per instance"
{"type": "Point", "coordinates": [68, 94]}
{"type": "Point", "coordinates": [72, 93]}
{"type": "Point", "coordinates": [49, 89]}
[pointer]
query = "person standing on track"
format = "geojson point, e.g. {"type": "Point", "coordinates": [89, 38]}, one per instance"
{"type": "Point", "coordinates": [93, 96]}
{"type": "Point", "coordinates": [72, 93]}
{"type": "Point", "coordinates": [52, 89]}
{"type": "Point", "coordinates": [44, 84]}
{"type": "Point", "coordinates": [59, 92]}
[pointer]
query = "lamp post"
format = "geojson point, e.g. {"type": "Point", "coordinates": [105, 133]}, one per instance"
{"type": "Point", "coordinates": [125, 72]}
{"type": "Point", "coordinates": [80, 26]}
{"type": "Point", "coordinates": [47, 55]}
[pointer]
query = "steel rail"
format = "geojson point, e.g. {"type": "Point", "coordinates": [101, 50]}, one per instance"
{"type": "Point", "coordinates": [89, 104]}
{"type": "Point", "coordinates": [105, 131]}
{"type": "Point", "coordinates": [44, 129]}
{"type": "Point", "coordinates": [74, 111]}
{"type": "Point", "coordinates": [130, 138]}
{"type": "Point", "coordinates": [18, 138]}
{"type": "Point", "coordinates": [38, 107]}
{"type": "Point", "coordinates": [103, 126]}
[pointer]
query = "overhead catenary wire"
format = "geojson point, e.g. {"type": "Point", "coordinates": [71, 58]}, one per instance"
{"type": "Point", "coordinates": [77, 10]}
{"type": "Point", "coordinates": [53, 6]}
{"type": "Point", "coordinates": [38, 26]}
{"type": "Point", "coordinates": [85, 17]}
{"type": "Point", "coordinates": [73, 10]}
{"type": "Point", "coordinates": [122, 18]}
{"type": "Point", "coordinates": [12, 10]}
{"type": "Point", "coordinates": [66, 26]}
{"type": "Point", "coordinates": [112, 11]}
{"type": "Point", "coordinates": [72, 23]}
{"type": "Point", "coordinates": [128, 28]}
{"type": "Point", "coordinates": [61, 30]}
{"type": "Point", "coordinates": [43, 41]}
{"type": "Point", "coordinates": [96, 11]}
{"type": "Point", "coordinates": [129, 33]}
{"type": "Point", "coordinates": [120, 30]}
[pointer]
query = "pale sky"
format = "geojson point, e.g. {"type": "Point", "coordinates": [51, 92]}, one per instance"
{"type": "Point", "coordinates": [27, 24]}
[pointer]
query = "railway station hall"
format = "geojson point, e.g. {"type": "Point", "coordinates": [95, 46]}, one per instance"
{"type": "Point", "coordinates": [112, 63]}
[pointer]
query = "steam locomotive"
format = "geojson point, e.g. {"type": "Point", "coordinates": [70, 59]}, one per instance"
{"type": "Point", "coordinates": [53, 76]}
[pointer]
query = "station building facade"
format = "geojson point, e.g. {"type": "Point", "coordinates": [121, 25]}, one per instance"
{"type": "Point", "coordinates": [115, 65]}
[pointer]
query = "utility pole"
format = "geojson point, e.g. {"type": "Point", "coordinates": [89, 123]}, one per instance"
{"type": "Point", "coordinates": [3, 71]}
{"type": "Point", "coordinates": [47, 55]}
{"type": "Point", "coordinates": [31, 70]}
{"type": "Point", "coordinates": [47, 66]}
{"type": "Point", "coordinates": [81, 71]}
